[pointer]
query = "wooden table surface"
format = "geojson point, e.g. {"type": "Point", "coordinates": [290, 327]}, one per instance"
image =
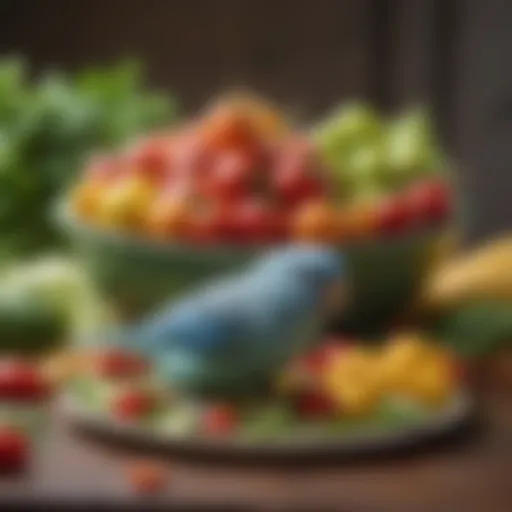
{"type": "Point", "coordinates": [470, 473]}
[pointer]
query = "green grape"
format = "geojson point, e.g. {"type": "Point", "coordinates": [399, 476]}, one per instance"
{"type": "Point", "coordinates": [367, 190]}
{"type": "Point", "coordinates": [364, 162]}
{"type": "Point", "coordinates": [346, 128]}
{"type": "Point", "coordinates": [411, 147]}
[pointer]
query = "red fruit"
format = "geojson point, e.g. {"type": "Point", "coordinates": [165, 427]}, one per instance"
{"type": "Point", "coordinates": [296, 177]}
{"type": "Point", "coordinates": [133, 404]}
{"type": "Point", "coordinates": [228, 128]}
{"type": "Point", "coordinates": [219, 420]}
{"type": "Point", "coordinates": [315, 361]}
{"type": "Point", "coordinates": [115, 364]}
{"type": "Point", "coordinates": [147, 477]}
{"type": "Point", "coordinates": [191, 157]}
{"type": "Point", "coordinates": [431, 201]}
{"type": "Point", "coordinates": [14, 448]}
{"type": "Point", "coordinates": [314, 404]}
{"type": "Point", "coordinates": [230, 176]}
{"type": "Point", "coordinates": [105, 168]}
{"type": "Point", "coordinates": [294, 183]}
{"type": "Point", "coordinates": [394, 216]}
{"type": "Point", "coordinates": [212, 225]}
{"type": "Point", "coordinates": [280, 226]}
{"type": "Point", "coordinates": [21, 381]}
{"type": "Point", "coordinates": [153, 158]}
{"type": "Point", "coordinates": [254, 222]}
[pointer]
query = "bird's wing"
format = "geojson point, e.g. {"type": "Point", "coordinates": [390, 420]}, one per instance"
{"type": "Point", "coordinates": [207, 322]}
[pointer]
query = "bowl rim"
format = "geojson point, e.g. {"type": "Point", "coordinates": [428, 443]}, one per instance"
{"type": "Point", "coordinates": [67, 219]}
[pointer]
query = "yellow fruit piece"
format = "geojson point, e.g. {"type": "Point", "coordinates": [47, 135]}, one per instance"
{"type": "Point", "coordinates": [168, 217]}
{"type": "Point", "coordinates": [413, 367]}
{"type": "Point", "coordinates": [400, 356]}
{"type": "Point", "coordinates": [126, 203]}
{"type": "Point", "coordinates": [431, 383]}
{"type": "Point", "coordinates": [483, 274]}
{"type": "Point", "coordinates": [85, 198]}
{"type": "Point", "coordinates": [352, 380]}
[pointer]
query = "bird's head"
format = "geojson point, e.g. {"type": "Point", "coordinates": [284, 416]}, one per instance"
{"type": "Point", "coordinates": [321, 270]}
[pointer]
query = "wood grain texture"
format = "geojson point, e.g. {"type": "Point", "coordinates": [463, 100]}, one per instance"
{"type": "Point", "coordinates": [470, 473]}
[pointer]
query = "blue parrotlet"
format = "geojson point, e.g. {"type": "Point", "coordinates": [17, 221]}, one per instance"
{"type": "Point", "coordinates": [234, 335]}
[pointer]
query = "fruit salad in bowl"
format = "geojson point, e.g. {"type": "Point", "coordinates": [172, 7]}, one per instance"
{"type": "Point", "coordinates": [177, 207]}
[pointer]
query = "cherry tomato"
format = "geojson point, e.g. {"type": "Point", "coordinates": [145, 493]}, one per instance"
{"type": "Point", "coordinates": [133, 404]}
{"type": "Point", "coordinates": [296, 177]}
{"type": "Point", "coordinates": [14, 448]}
{"type": "Point", "coordinates": [253, 222]}
{"type": "Point", "coordinates": [147, 477]}
{"type": "Point", "coordinates": [191, 156]}
{"type": "Point", "coordinates": [153, 159]}
{"type": "Point", "coordinates": [22, 381]}
{"type": "Point", "coordinates": [114, 364]}
{"type": "Point", "coordinates": [431, 201]}
{"type": "Point", "coordinates": [280, 225]}
{"type": "Point", "coordinates": [219, 420]}
{"type": "Point", "coordinates": [295, 184]}
{"type": "Point", "coordinates": [394, 216]}
{"type": "Point", "coordinates": [230, 176]}
{"type": "Point", "coordinates": [314, 404]}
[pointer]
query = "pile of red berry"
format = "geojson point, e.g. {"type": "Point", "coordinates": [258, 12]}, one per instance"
{"type": "Point", "coordinates": [240, 175]}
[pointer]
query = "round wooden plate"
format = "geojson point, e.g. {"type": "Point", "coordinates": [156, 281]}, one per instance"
{"type": "Point", "coordinates": [367, 440]}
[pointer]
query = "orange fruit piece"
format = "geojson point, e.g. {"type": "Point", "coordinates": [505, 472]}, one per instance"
{"type": "Point", "coordinates": [356, 221]}
{"type": "Point", "coordinates": [168, 217]}
{"type": "Point", "coordinates": [315, 222]}
{"type": "Point", "coordinates": [265, 119]}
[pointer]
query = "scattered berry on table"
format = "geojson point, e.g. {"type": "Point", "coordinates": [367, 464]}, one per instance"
{"type": "Point", "coordinates": [147, 477]}
{"type": "Point", "coordinates": [14, 449]}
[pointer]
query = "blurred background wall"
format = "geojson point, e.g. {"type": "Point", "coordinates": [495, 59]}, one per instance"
{"type": "Point", "coordinates": [308, 55]}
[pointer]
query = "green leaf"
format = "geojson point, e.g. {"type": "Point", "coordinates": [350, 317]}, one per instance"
{"type": "Point", "coordinates": [49, 128]}
{"type": "Point", "coordinates": [476, 329]}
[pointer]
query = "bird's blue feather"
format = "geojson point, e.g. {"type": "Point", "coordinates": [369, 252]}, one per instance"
{"type": "Point", "coordinates": [240, 329]}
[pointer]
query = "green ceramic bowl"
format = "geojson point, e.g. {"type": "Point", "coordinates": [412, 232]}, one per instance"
{"type": "Point", "coordinates": [137, 275]}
